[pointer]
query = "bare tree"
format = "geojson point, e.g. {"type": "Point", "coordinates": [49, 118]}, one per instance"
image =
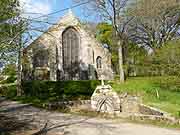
{"type": "Point", "coordinates": [156, 21]}
{"type": "Point", "coordinates": [112, 11]}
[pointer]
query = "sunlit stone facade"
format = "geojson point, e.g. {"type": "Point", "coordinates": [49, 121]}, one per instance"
{"type": "Point", "coordinates": [67, 51]}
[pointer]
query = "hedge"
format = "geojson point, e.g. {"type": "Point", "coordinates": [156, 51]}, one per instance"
{"type": "Point", "coordinates": [60, 90]}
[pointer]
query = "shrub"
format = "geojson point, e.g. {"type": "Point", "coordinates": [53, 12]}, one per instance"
{"type": "Point", "coordinates": [10, 79]}
{"type": "Point", "coordinates": [1, 78]}
{"type": "Point", "coordinates": [60, 90]}
{"type": "Point", "coordinates": [9, 70]}
{"type": "Point", "coordinates": [164, 62]}
{"type": "Point", "coordinates": [8, 91]}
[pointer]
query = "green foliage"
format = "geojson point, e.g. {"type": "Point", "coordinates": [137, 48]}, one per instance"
{"type": "Point", "coordinates": [10, 79]}
{"type": "Point", "coordinates": [168, 53]}
{"type": "Point", "coordinates": [9, 29]}
{"type": "Point", "coordinates": [9, 70]}
{"type": "Point", "coordinates": [1, 78]}
{"type": "Point", "coordinates": [134, 55]}
{"type": "Point", "coordinates": [8, 91]}
{"type": "Point", "coordinates": [61, 90]}
{"type": "Point", "coordinates": [165, 61]}
{"type": "Point", "coordinates": [168, 88]}
{"type": "Point", "coordinates": [8, 9]}
{"type": "Point", "coordinates": [131, 51]}
{"type": "Point", "coordinates": [104, 33]}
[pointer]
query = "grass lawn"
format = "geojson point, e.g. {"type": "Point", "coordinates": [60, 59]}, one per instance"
{"type": "Point", "coordinates": [148, 88]}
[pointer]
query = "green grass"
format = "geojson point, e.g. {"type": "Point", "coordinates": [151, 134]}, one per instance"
{"type": "Point", "coordinates": [168, 88]}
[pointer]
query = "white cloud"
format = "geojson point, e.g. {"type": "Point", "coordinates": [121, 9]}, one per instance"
{"type": "Point", "coordinates": [35, 8]}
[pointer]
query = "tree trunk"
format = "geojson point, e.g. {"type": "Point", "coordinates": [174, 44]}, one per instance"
{"type": "Point", "coordinates": [121, 69]}
{"type": "Point", "coordinates": [19, 70]}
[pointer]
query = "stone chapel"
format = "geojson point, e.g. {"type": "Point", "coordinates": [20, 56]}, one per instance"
{"type": "Point", "coordinates": [67, 51]}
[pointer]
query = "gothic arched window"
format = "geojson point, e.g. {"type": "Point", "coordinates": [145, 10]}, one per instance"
{"type": "Point", "coordinates": [99, 62]}
{"type": "Point", "coordinates": [41, 58]}
{"type": "Point", "coordinates": [71, 44]}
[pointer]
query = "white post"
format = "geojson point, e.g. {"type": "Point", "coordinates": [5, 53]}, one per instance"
{"type": "Point", "coordinates": [102, 80]}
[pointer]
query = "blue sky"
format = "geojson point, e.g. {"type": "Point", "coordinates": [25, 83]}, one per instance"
{"type": "Point", "coordinates": [49, 6]}
{"type": "Point", "coordinates": [78, 11]}
{"type": "Point", "coordinates": [35, 8]}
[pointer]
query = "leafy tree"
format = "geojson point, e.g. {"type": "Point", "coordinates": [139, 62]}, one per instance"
{"type": "Point", "coordinates": [104, 33]}
{"type": "Point", "coordinates": [134, 56]}
{"type": "Point", "coordinates": [8, 30]}
{"type": "Point", "coordinates": [10, 70]}
{"type": "Point", "coordinates": [11, 36]}
{"type": "Point", "coordinates": [15, 32]}
{"type": "Point", "coordinates": [167, 59]}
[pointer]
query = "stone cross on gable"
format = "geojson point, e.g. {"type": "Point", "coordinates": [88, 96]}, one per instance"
{"type": "Point", "coordinates": [70, 11]}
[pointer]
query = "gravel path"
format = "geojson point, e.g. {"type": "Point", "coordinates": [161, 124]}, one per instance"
{"type": "Point", "coordinates": [23, 119]}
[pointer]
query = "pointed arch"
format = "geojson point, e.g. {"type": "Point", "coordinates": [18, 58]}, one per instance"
{"type": "Point", "coordinates": [99, 62]}
{"type": "Point", "coordinates": [70, 49]}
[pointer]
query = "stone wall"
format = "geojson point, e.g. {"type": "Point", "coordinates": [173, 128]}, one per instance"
{"type": "Point", "coordinates": [80, 104]}
{"type": "Point", "coordinates": [129, 104]}
{"type": "Point", "coordinates": [147, 110]}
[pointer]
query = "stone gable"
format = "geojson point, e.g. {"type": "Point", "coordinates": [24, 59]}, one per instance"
{"type": "Point", "coordinates": [72, 53]}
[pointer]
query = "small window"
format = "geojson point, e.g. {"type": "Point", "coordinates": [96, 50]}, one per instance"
{"type": "Point", "coordinates": [99, 62]}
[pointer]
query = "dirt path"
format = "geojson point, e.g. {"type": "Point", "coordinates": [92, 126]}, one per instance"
{"type": "Point", "coordinates": [24, 119]}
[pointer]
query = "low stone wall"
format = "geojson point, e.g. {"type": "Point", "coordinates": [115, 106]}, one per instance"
{"type": "Point", "coordinates": [68, 104]}
{"type": "Point", "coordinates": [147, 110]}
{"type": "Point", "coordinates": [129, 105]}
{"type": "Point", "coordinates": [166, 119]}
